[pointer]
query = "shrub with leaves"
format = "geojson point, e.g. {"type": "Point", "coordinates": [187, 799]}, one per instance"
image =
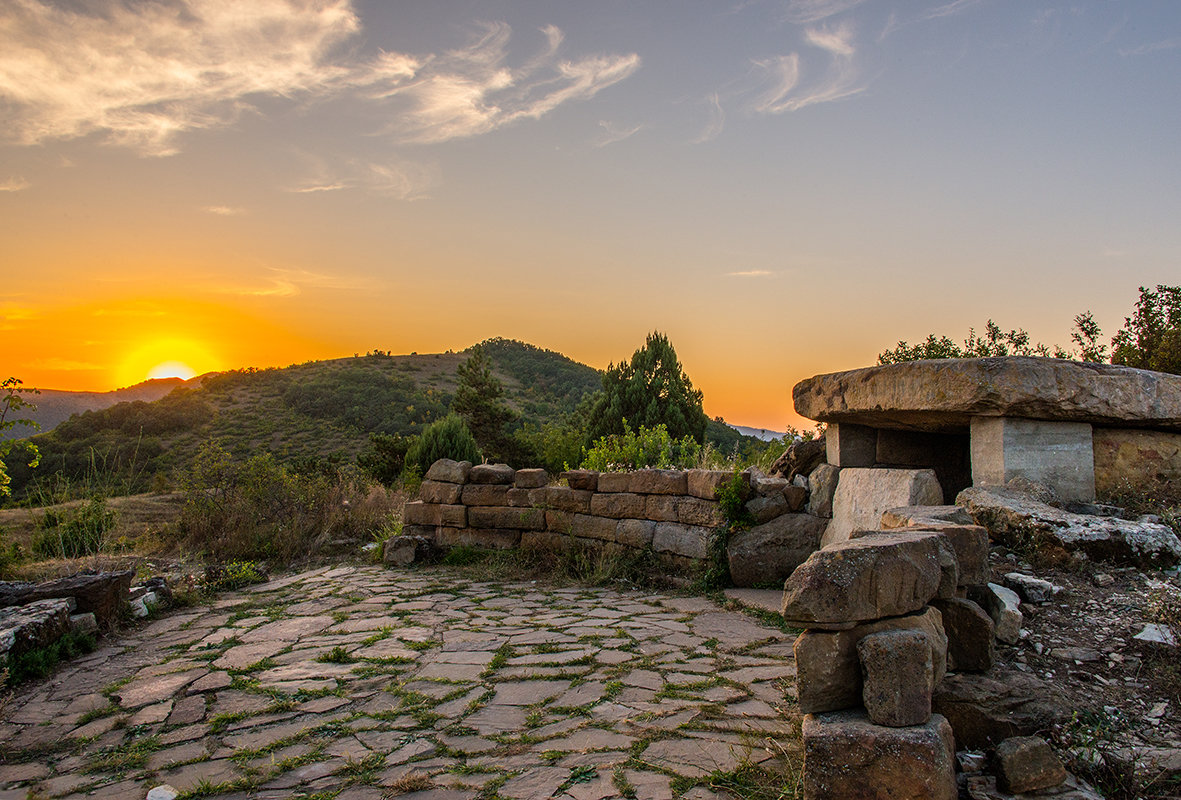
{"type": "Point", "coordinates": [447, 438]}
{"type": "Point", "coordinates": [74, 531]}
{"type": "Point", "coordinates": [648, 448]}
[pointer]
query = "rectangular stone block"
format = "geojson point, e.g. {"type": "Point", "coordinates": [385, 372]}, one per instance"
{"type": "Point", "coordinates": [695, 511]}
{"type": "Point", "coordinates": [485, 495]}
{"type": "Point", "coordinates": [847, 756]}
{"type": "Point", "coordinates": [582, 479]}
{"type": "Point", "coordinates": [531, 519]}
{"type": "Point", "coordinates": [1059, 455]}
{"type": "Point", "coordinates": [591, 527]}
{"type": "Point", "coordinates": [614, 482]}
{"type": "Point", "coordinates": [661, 508]}
{"type": "Point", "coordinates": [849, 445]}
{"type": "Point", "coordinates": [635, 532]}
{"type": "Point", "coordinates": [658, 481]}
{"type": "Point", "coordinates": [477, 537]}
{"type": "Point", "coordinates": [439, 492]}
{"type": "Point", "coordinates": [898, 675]}
{"type": "Point", "coordinates": [559, 521]}
{"type": "Point", "coordinates": [522, 498]}
{"type": "Point", "coordinates": [432, 514]}
{"type": "Point", "coordinates": [618, 505]}
{"type": "Point", "coordinates": [447, 471]}
{"type": "Point", "coordinates": [863, 495]}
{"type": "Point", "coordinates": [690, 541]}
{"type": "Point", "coordinates": [492, 474]}
{"type": "Point", "coordinates": [427, 531]}
{"type": "Point", "coordinates": [968, 543]}
{"type": "Point", "coordinates": [530, 478]}
{"type": "Point", "coordinates": [550, 541]}
{"type": "Point", "coordinates": [971, 635]}
{"type": "Point", "coordinates": [561, 498]}
{"type": "Point", "coordinates": [704, 483]}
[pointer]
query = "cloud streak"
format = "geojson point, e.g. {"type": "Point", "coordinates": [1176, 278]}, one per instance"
{"type": "Point", "coordinates": [139, 74]}
{"type": "Point", "coordinates": [750, 273]}
{"type": "Point", "coordinates": [802, 12]}
{"type": "Point", "coordinates": [291, 282]}
{"type": "Point", "coordinates": [224, 211]}
{"type": "Point", "coordinates": [14, 185]}
{"type": "Point", "coordinates": [782, 78]}
{"type": "Point", "coordinates": [613, 133]}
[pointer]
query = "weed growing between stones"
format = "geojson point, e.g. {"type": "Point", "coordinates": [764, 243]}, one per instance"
{"type": "Point", "coordinates": [41, 661]}
{"type": "Point", "coordinates": [339, 655]}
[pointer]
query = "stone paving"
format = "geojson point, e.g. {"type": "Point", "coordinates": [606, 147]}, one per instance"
{"type": "Point", "coordinates": [359, 683]}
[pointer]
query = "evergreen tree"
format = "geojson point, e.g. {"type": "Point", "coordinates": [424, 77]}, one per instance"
{"type": "Point", "coordinates": [651, 390]}
{"type": "Point", "coordinates": [478, 400]}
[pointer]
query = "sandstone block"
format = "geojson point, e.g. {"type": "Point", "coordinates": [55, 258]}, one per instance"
{"type": "Point", "coordinates": [525, 519]}
{"type": "Point", "coordinates": [769, 553]}
{"type": "Point", "coordinates": [658, 481]}
{"type": "Point", "coordinates": [492, 474]}
{"type": "Point", "coordinates": [694, 511]}
{"type": "Point", "coordinates": [561, 498]}
{"type": "Point", "coordinates": [478, 537]}
{"type": "Point", "coordinates": [829, 672]}
{"type": "Point", "coordinates": [661, 507]}
{"type": "Point", "coordinates": [849, 445]}
{"type": "Point", "coordinates": [530, 478]}
{"type": "Point", "coordinates": [614, 482]}
{"type": "Point", "coordinates": [33, 625]}
{"type": "Point", "coordinates": [403, 550]}
{"type": "Point", "coordinates": [591, 527]}
{"type": "Point", "coordinates": [522, 498]}
{"type": "Point", "coordinates": [424, 531]}
{"type": "Point", "coordinates": [863, 495]}
{"type": "Point", "coordinates": [796, 496]}
{"type": "Point", "coordinates": [635, 532]}
{"type": "Point", "coordinates": [1003, 606]}
{"type": "Point", "coordinates": [968, 543]}
{"type": "Point", "coordinates": [431, 514]}
{"type": "Point", "coordinates": [559, 521]}
{"type": "Point", "coordinates": [847, 756]}
{"type": "Point", "coordinates": [765, 486]}
{"type": "Point", "coordinates": [986, 709]}
{"type": "Point", "coordinates": [549, 540]}
{"type": "Point", "coordinates": [440, 492]}
{"type": "Point", "coordinates": [869, 578]}
{"type": "Point", "coordinates": [485, 495]}
{"type": "Point", "coordinates": [1127, 457]}
{"type": "Point", "coordinates": [925, 517]}
{"type": "Point", "coordinates": [102, 594]}
{"type": "Point", "coordinates": [582, 479]}
{"type": "Point", "coordinates": [767, 507]}
{"type": "Point", "coordinates": [447, 471]}
{"type": "Point", "coordinates": [898, 676]}
{"type": "Point", "coordinates": [822, 485]}
{"type": "Point", "coordinates": [618, 505]}
{"type": "Point", "coordinates": [1027, 764]}
{"type": "Point", "coordinates": [683, 540]}
{"type": "Point", "coordinates": [704, 483]}
{"type": "Point", "coordinates": [971, 635]}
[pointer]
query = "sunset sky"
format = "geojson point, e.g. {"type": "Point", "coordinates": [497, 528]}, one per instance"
{"type": "Point", "coordinates": [784, 187]}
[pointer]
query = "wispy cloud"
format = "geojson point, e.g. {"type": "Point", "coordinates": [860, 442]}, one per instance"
{"type": "Point", "coordinates": [715, 123]}
{"type": "Point", "coordinates": [613, 133]}
{"type": "Point", "coordinates": [140, 74]}
{"type": "Point", "coordinates": [949, 9]}
{"type": "Point", "coordinates": [224, 211]}
{"type": "Point", "coordinates": [1152, 47]}
{"type": "Point", "coordinates": [750, 273]}
{"type": "Point", "coordinates": [807, 11]}
{"type": "Point", "coordinates": [400, 179]}
{"type": "Point", "coordinates": [782, 77]}
{"type": "Point", "coordinates": [14, 185]}
{"type": "Point", "coordinates": [281, 282]}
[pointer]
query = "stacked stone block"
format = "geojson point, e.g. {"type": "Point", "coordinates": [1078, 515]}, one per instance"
{"type": "Point", "coordinates": [875, 645]}
{"type": "Point", "coordinates": [672, 512]}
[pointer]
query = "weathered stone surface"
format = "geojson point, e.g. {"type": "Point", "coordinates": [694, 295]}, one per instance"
{"type": "Point", "coordinates": [1135, 458]}
{"type": "Point", "coordinates": [984, 710]}
{"type": "Point", "coordinates": [849, 445]}
{"type": "Point", "coordinates": [1013, 518]}
{"type": "Point", "coordinates": [767, 508]}
{"type": "Point", "coordinates": [868, 578]}
{"type": "Point", "coordinates": [969, 544]}
{"type": "Point", "coordinates": [769, 553]}
{"type": "Point", "coordinates": [492, 474]}
{"type": "Point", "coordinates": [694, 511]}
{"type": "Point", "coordinates": [658, 481]}
{"type": "Point", "coordinates": [439, 492]}
{"type": "Point", "coordinates": [561, 498]}
{"type": "Point", "coordinates": [431, 514]}
{"type": "Point", "coordinates": [82, 623]}
{"type": "Point", "coordinates": [560, 521]}
{"type": "Point", "coordinates": [822, 485]}
{"type": "Point", "coordinates": [925, 516]}
{"type": "Point", "coordinates": [448, 471]}
{"type": "Point", "coordinates": [898, 675]}
{"type": "Point", "coordinates": [800, 458]}
{"type": "Point", "coordinates": [1026, 764]}
{"type": "Point", "coordinates": [1057, 455]}
{"type": "Point", "coordinates": [33, 625]}
{"type": "Point", "coordinates": [1031, 589]}
{"type": "Point", "coordinates": [768, 486]}
{"type": "Point", "coordinates": [683, 540]}
{"type": "Point", "coordinates": [635, 532]}
{"type": "Point", "coordinates": [618, 505]}
{"type": "Point", "coordinates": [525, 498]}
{"type": "Point", "coordinates": [477, 537]}
{"type": "Point", "coordinates": [100, 593]}
{"type": "Point", "coordinates": [704, 483]}
{"type": "Point", "coordinates": [525, 519]}
{"type": "Point", "coordinates": [581, 479]}
{"type": "Point", "coordinates": [530, 478]}
{"type": "Point", "coordinates": [864, 495]}
{"type": "Point", "coordinates": [592, 527]}
{"type": "Point", "coordinates": [485, 495]}
{"type": "Point", "coordinates": [796, 496]}
{"type": "Point", "coordinates": [846, 756]}
{"type": "Point", "coordinates": [943, 395]}
{"type": "Point", "coordinates": [614, 482]}
{"type": "Point", "coordinates": [829, 671]}
{"type": "Point", "coordinates": [408, 549]}
{"type": "Point", "coordinates": [971, 635]}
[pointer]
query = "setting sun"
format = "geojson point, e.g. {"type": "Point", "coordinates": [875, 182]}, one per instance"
{"type": "Point", "coordinates": [167, 358]}
{"type": "Point", "coordinates": [171, 369]}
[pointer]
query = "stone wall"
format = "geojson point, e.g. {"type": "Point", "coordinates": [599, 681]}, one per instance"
{"type": "Point", "coordinates": [672, 512]}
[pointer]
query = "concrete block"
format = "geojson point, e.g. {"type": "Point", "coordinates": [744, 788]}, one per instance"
{"type": "Point", "coordinates": [851, 445]}
{"type": "Point", "coordinates": [1059, 455]}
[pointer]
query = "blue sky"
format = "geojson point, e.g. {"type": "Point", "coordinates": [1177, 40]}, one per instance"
{"type": "Point", "coordinates": [783, 187]}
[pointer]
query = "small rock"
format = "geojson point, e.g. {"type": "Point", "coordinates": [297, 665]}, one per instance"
{"type": "Point", "coordinates": [1031, 589]}
{"type": "Point", "coordinates": [1081, 655]}
{"type": "Point", "coordinates": [162, 792]}
{"type": "Point", "coordinates": [1157, 634]}
{"type": "Point", "coordinates": [1027, 763]}
{"type": "Point", "coordinates": [1102, 579]}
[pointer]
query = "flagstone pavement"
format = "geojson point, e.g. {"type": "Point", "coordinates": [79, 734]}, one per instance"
{"type": "Point", "coordinates": [358, 683]}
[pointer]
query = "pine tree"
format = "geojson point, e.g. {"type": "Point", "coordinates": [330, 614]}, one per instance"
{"type": "Point", "coordinates": [478, 401]}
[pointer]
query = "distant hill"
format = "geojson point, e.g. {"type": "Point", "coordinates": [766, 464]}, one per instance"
{"type": "Point", "coordinates": [303, 413]}
{"type": "Point", "coordinates": [762, 434]}
{"type": "Point", "coordinates": [55, 406]}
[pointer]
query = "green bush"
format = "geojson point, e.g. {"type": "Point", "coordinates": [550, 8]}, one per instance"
{"type": "Point", "coordinates": [41, 661]}
{"type": "Point", "coordinates": [73, 532]}
{"type": "Point", "coordinates": [651, 447]}
{"type": "Point", "coordinates": [447, 438]}
{"type": "Point", "coordinates": [732, 498]}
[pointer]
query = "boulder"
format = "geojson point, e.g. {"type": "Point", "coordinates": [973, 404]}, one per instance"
{"type": "Point", "coordinates": [767, 508]}
{"type": "Point", "coordinates": [863, 495]}
{"type": "Point", "coordinates": [828, 669]}
{"type": "Point", "coordinates": [822, 485]}
{"type": "Point", "coordinates": [847, 756]}
{"type": "Point", "coordinates": [769, 553]}
{"type": "Point", "coordinates": [1031, 589]}
{"type": "Point", "coordinates": [986, 709]}
{"type": "Point", "coordinates": [887, 575]}
{"type": "Point", "coordinates": [100, 593]}
{"type": "Point", "coordinates": [971, 635]}
{"type": "Point", "coordinates": [447, 471]}
{"type": "Point", "coordinates": [897, 676]}
{"type": "Point", "coordinates": [440, 492]}
{"type": "Point", "coordinates": [530, 478]}
{"type": "Point", "coordinates": [767, 486]}
{"type": "Point", "coordinates": [582, 479]}
{"type": "Point", "coordinates": [943, 395]}
{"type": "Point", "coordinates": [1017, 520]}
{"type": "Point", "coordinates": [1026, 764]}
{"type": "Point", "coordinates": [492, 474]}
{"type": "Point", "coordinates": [800, 458]}
{"type": "Point", "coordinates": [969, 543]}
{"type": "Point", "coordinates": [1004, 606]}
{"type": "Point", "coordinates": [796, 496]}
{"type": "Point", "coordinates": [407, 549]}
{"type": "Point", "coordinates": [33, 625]}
